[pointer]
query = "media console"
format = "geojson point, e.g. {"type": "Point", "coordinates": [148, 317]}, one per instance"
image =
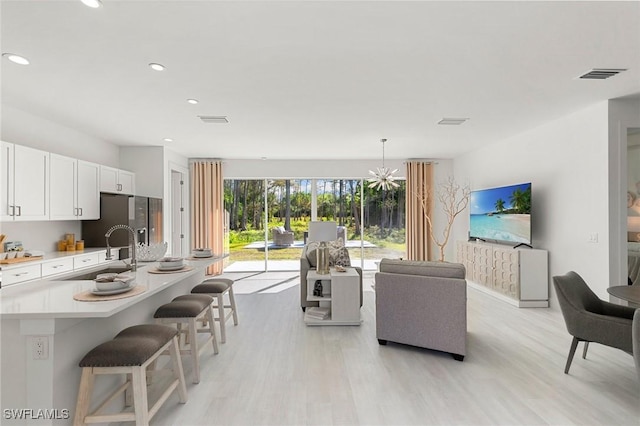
{"type": "Point", "coordinates": [516, 275]}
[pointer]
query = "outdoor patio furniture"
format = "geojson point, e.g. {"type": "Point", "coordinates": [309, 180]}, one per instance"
{"type": "Point", "coordinates": [282, 237]}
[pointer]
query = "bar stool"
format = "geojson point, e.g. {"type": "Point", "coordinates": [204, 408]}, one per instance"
{"type": "Point", "coordinates": [190, 309]}
{"type": "Point", "coordinates": [129, 353]}
{"type": "Point", "coordinates": [217, 288]}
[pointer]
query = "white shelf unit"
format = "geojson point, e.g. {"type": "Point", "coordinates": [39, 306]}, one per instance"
{"type": "Point", "coordinates": [518, 276]}
{"type": "Point", "coordinates": [340, 295]}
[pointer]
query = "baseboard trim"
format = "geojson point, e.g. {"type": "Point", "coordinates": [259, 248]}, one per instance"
{"type": "Point", "coordinates": [516, 303]}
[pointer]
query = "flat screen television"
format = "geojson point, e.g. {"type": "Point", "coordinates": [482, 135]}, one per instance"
{"type": "Point", "coordinates": [501, 214]}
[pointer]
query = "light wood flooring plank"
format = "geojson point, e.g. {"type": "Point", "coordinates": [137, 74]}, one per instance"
{"type": "Point", "coordinates": [275, 370]}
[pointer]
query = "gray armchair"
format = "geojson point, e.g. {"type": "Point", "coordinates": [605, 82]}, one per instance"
{"type": "Point", "coordinates": [282, 237]}
{"type": "Point", "coordinates": [308, 262]}
{"type": "Point", "coordinates": [422, 304]}
{"type": "Point", "coordinates": [589, 319]}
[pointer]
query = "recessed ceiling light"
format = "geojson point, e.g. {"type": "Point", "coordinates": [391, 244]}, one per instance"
{"type": "Point", "coordinates": [16, 59]}
{"type": "Point", "coordinates": [92, 3]}
{"type": "Point", "coordinates": [167, 140]}
{"type": "Point", "coordinates": [452, 121]}
{"type": "Point", "coordinates": [192, 101]}
{"type": "Point", "coordinates": [156, 67]}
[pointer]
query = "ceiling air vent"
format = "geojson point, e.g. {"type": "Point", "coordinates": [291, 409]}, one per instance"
{"type": "Point", "coordinates": [601, 73]}
{"type": "Point", "coordinates": [452, 121]}
{"type": "Point", "coordinates": [213, 118]}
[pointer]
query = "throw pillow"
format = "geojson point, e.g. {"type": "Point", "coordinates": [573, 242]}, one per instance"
{"type": "Point", "coordinates": [311, 254]}
{"type": "Point", "coordinates": [338, 255]}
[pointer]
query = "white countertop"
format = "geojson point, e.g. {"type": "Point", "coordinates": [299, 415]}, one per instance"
{"type": "Point", "coordinates": [53, 298]}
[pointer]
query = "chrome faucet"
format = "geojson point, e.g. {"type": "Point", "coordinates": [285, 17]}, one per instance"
{"type": "Point", "coordinates": [134, 262]}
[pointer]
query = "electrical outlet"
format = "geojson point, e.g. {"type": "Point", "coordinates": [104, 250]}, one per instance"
{"type": "Point", "coordinates": [593, 237]}
{"type": "Point", "coordinates": [40, 347]}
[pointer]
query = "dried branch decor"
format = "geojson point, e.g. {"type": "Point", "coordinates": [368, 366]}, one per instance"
{"type": "Point", "coordinates": [454, 199]}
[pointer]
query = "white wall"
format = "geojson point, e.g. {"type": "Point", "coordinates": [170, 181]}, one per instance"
{"type": "Point", "coordinates": [565, 160]}
{"type": "Point", "coordinates": [306, 169]}
{"type": "Point", "coordinates": [26, 129]}
{"type": "Point", "coordinates": [146, 162]}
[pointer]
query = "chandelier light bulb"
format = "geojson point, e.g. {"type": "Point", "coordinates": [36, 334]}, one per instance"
{"type": "Point", "coordinates": [383, 177]}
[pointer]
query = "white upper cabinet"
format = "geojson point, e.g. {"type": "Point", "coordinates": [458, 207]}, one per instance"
{"type": "Point", "coordinates": [116, 181]}
{"type": "Point", "coordinates": [88, 190]}
{"type": "Point", "coordinates": [6, 182]}
{"type": "Point", "coordinates": [25, 183]}
{"type": "Point", "coordinates": [75, 189]}
{"type": "Point", "coordinates": [62, 205]}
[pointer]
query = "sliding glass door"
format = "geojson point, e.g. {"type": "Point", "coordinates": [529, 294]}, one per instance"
{"type": "Point", "coordinates": [267, 220]}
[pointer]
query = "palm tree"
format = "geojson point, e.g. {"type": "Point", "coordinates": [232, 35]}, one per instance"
{"type": "Point", "coordinates": [518, 200]}
{"type": "Point", "coordinates": [500, 205]}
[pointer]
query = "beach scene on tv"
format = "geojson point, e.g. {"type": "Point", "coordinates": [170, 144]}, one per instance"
{"type": "Point", "coordinates": [502, 214]}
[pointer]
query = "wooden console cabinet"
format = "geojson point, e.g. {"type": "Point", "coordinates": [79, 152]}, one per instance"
{"type": "Point", "coordinates": [517, 275]}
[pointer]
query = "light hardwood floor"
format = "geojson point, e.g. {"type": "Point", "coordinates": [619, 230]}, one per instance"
{"type": "Point", "coordinates": [274, 370]}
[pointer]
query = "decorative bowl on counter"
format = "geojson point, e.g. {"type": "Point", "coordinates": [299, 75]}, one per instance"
{"type": "Point", "coordinates": [169, 263]}
{"type": "Point", "coordinates": [202, 252]}
{"type": "Point", "coordinates": [151, 252]}
{"type": "Point", "coordinates": [109, 282]}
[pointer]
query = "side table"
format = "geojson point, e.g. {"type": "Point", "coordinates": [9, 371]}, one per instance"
{"type": "Point", "coordinates": [340, 300]}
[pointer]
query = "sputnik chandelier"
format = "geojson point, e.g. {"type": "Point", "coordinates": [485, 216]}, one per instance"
{"type": "Point", "coordinates": [383, 176]}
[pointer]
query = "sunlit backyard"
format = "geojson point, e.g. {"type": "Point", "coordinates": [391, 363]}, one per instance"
{"type": "Point", "coordinates": [374, 220]}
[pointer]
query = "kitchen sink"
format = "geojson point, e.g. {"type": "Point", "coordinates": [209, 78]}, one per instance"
{"type": "Point", "coordinates": [93, 274]}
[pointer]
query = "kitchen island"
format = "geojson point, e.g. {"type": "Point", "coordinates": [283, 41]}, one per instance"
{"type": "Point", "coordinates": [45, 376]}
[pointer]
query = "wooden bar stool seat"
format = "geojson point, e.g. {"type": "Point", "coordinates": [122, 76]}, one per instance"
{"type": "Point", "coordinates": [218, 288]}
{"type": "Point", "coordinates": [189, 309]}
{"type": "Point", "coordinates": [129, 353]}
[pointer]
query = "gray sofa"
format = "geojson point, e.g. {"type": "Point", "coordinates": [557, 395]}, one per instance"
{"type": "Point", "coordinates": [308, 262]}
{"type": "Point", "coordinates": [422, 304]}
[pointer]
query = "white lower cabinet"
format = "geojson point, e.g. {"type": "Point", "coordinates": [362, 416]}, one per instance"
{"type": "Point", "coordinates": [57, 266]}
{"type": "Point", "coordinates": [86, 260]}
{"type": "Point", "coordinates": [20, 274]}
{"type": "Point", "coordinates": [517, 275]}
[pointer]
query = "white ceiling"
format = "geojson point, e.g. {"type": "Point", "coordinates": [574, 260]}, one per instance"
{"type": "Point", "coordinates": [304, 80]}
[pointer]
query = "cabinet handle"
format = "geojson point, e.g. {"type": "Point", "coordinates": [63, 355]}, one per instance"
{"type": "Point", "coordinates": [86, 260]}
{"type": "Point", "coordinates": [119, 187]}
{"type": "Point", "coordinates": [57, 266]}
{"type": "Point", "coordinates": [19, 210]}
{"type": "Point", "coordinates": [13, 210]}
{"type": "Point", "coordinates": [80, 209]}
{"type": "Point", "coordinates": [20, 274]}
{"type": "Point", "coordinates": [75, 211]}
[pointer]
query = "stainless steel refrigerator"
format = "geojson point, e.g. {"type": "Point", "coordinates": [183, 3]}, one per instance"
{"type": "Point", "coordinates": [143, 214]}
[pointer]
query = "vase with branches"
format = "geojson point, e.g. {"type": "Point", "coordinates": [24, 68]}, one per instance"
{"type": "Point", "coordinates": [454, 199]}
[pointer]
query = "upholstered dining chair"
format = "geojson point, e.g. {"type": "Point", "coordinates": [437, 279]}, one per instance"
{"type": "Point", "coordinates": [589, 319]}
